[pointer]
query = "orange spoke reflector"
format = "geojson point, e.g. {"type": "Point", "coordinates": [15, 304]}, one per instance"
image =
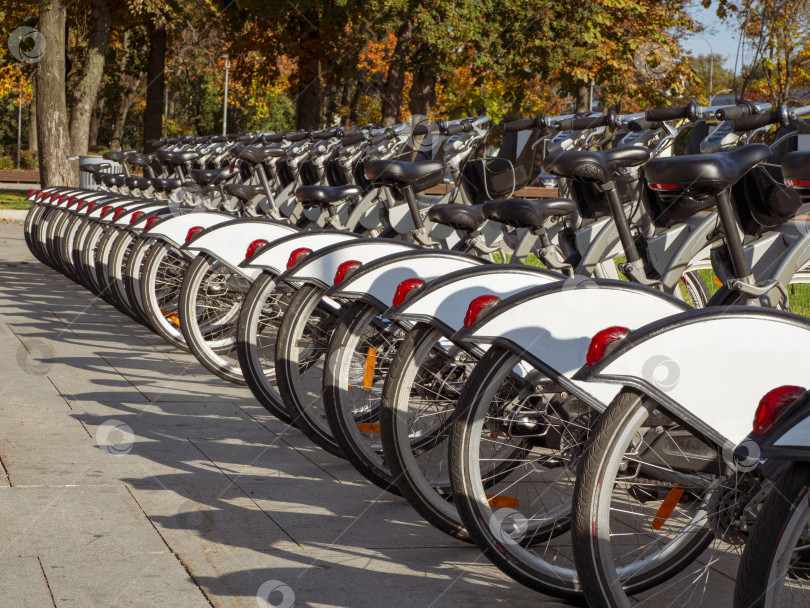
{"type": "Point", "coordinates": [171, 317]}
{"type": "Point", "coordinates": [368, 373]}
{"type": "Point", "coordinates": [493, 435]}
{"type": "Point", "coordinates": [502, 501]}
{"type": "Point", "coordinates": [717, 281]}
{"type": "Point", "coordinates": [667, 507]}
{"type": "Point", "coordinates": [368, 427]}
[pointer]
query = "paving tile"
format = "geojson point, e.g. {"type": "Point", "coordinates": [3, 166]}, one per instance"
{"type": "Point", "coordinates": [23, 585]}
{"type": "Point", "coordinates": [137, 580]}
{"type": "Point", "coordinates": [72, 521]}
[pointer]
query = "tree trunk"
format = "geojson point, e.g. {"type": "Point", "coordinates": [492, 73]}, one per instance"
{"type": "Point", "coordinates": [32, 119]}
{"type": "Point", "coordinates": [423, 93]}
{"type": "Point", "coordinates": [395, 78]}
{"type": "Point", "coordinates": [95, 121]}
{"type": "Point", "coordinates": [124, 103]}
{"type": "Point", "coordinates": [52, 129]}
{"type": "Point", "coordinates": [155, 67]}
{"type": "Point", "coordinates": [583, 95]}
{"type": "Point", "coordinates": [85, 92]}
{"type": "Point", "coordinates": [362, 85]}
{"type": "Point", "coordinates": [308, 98]}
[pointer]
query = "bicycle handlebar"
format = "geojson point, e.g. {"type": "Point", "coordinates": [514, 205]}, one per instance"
{"type": "Point", "coordinates": [524, 124]}
{"type": "Point", "coordinates": [755, 121]}
{"type": "Point", "coordinates": [587, 122]}
{"type": "Point", "coordinates": [353, 138]}
{"type": "Point", "coordinates": [300, 136]}
{"type": "Point", "coordinates": [643, 124]}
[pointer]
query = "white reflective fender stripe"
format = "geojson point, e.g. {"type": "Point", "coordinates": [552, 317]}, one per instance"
{"type": "Point", "coordinates": [324, 267]}
{"type": "Point", "coordinates": [799, 435]}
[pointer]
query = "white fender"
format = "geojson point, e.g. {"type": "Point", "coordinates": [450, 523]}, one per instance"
{"type": "Point", "coordinates": [124, 218]}
{"type": "Point", "coordinates": [377, 283]}
{"type": "Point", "coordinates": [46, 200]}
{"type": "Point", "coordinates": [552, 326]}
{"type": "Point", "coordinates": [96, 212]}
{"type": "Point", "coordinates": [444, 301]}
{"type": "Point", "coordinates": [107, 219]}
{"type": "Point", "coordinates": [228, 242]}
{"type": "Point", "coordinates": [276, 255]}
{"type": "Point", "coordinates": [713, 365]}
{"type": "Point", "coordinates": [174, 229]}
{"type": "Point", "coordinates": [320, 268]}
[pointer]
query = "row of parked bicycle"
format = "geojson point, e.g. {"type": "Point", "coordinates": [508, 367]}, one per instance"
{"type": "Point", "coordinates": [617, 440]}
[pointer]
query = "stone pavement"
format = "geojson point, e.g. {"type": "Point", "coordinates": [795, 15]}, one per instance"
{"type": "Point", "coordinates": [133, 477]}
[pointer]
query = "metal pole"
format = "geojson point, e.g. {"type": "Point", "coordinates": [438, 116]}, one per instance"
{"type": "Point", "coordinates": [711, 64]}
{"type": "Point", "coordinates": [590, 105]}
{"type": "Point", "coordinates": [225, 102]}
{"type": "Point", "coordinates": [19, 127]}
{"type": "Point", "coordinates": [165, 105]}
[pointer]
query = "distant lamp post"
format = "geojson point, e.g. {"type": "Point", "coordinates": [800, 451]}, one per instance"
{"type": "Point", "coordinates": [711, 65]}
{"type": "Point", "coordinates": [166, 72]}
{"type": "Point", "coordinates": [225, 101]}
{"type": "Point", "coordinates": [19, 127]}
{"type": "Point", "coordinates": [711, 97]}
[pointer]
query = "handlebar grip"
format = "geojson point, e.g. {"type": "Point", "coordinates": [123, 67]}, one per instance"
{"type": "Point", "coordinates": [520, 125]}
{"type": "Point", "coordinates": [733, 112]}
{"type": "Point", "coordinates": [579, 124]}
{"type": "Point", "coordinates": [353, 138]}
{"type": "Point", "coordinates": [293, 137]}
{"type": "Point", "coordinates": [272, 138]}
{"type": "Point", "coordinates": [380, 137]}
{"type": "Point", "coordinates": [755, 121]}
{"type": "Point", "coordinates": [642, 124]}
{"type": "Point", "coordinates": [662, 114]}
{"type": "Point", "coordinates": [327, 134]}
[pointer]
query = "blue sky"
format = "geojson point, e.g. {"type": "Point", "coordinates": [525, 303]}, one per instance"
{"type": "Point", "coordinates": [722, 36]}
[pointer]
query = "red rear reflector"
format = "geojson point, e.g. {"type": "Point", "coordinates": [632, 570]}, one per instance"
{"type": "Point", "coordinates": [192, 232]}
{"type": "Point", "coordinates": [344, 269]}
{"type": "Point", "coordinates": [477, 306]}
{"type": "Point", "coordinates": [55, 194]}
{"type": "Point", "coordinates": [297, 255]}
{"type": "Point", "coordinates": [90, 207]}
{"type": "Point", "coordinates": [135, 217]}
{"type": "Point", "coordinates": [663, 186]}
{"type": "Point", "coordinates": [798, 182]}
{"type": "Point", "coordinates": [105, 209]}
{"type": "Point", "coordinates": [773, 404]}
{"type": "Point", "coordinates": [601, 341]}
{"type": "Point", "coordinates": [71, 200]}
{"type": "Point", "coordinates": [118, 213]}
{"type": "Point", "coordinates": [30, 192]}
{"type": "Point", "coordinates": [405, 288]}
{"type": "Point", "coordinates": [254, 247]}
{"type": "Point", "coordinates": [151, 222]}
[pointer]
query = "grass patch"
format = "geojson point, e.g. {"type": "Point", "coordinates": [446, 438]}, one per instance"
{"type": "Point", "coordinates": [12, 199]}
